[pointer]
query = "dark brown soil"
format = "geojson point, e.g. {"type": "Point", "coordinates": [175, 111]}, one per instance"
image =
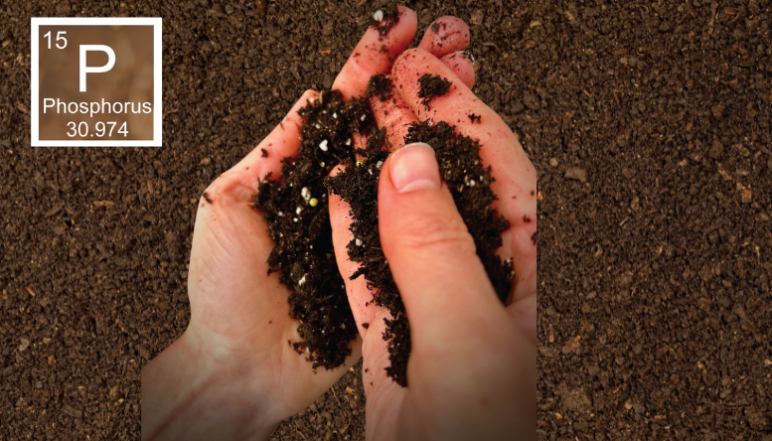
{"type": "Point", "coordinates": [389, 19]}
{"type": "Point", "coordinates": [641, 117]}
{"type": "Point", "coordinates": [432, 86]}
{"type": "Point", "coordinates": [297, 210]}
{"type": "Point", "coordinates": [380, 86]}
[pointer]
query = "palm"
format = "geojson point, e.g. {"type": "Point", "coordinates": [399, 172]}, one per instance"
{"type": "Point", "coordinates": [235, 304]}
{"type": "Point", "coordinates": [239, 309]}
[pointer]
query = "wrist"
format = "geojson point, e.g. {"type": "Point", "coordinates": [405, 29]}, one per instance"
{"type": "Point", "coordinates": [190, 392]}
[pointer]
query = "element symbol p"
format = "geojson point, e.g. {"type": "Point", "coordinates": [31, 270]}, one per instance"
{"type": "Point", "coordinates": [84, 69]}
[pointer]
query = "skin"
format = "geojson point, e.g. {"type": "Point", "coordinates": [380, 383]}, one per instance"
{"type": "Point", "coordinates": [231, 375]}
{"type": "Point", "coordinates": [471, 373]}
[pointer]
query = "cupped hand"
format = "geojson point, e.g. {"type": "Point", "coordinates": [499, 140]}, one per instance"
{"type": "Point", "coordinates": [472, 370]}
{"type": "Point", "coordinates": [232, 375]}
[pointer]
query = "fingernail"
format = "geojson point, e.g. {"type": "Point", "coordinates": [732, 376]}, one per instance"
{"type": "Point", "coordinates": [413, 167]}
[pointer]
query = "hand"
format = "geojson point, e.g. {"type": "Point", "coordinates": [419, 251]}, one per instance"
{"type": "Point", "coordinates": [232, 375]}
{"type": "Point", "coordinates": [472, 370]}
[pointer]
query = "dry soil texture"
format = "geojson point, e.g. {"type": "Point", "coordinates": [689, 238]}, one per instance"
{"type": "Point", "coordinates": [648, 123]}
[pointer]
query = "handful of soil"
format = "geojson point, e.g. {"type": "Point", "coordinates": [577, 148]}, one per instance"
{"type": "Point", "coordinates": [297, 211]}
{"type": "Point", "coordinates": [460, 166]}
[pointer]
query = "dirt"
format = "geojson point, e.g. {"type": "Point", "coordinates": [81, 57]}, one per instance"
{"type": "Point", "coordinates": [654, 264]}
{"type": "Point", "coordinates": [297, 210]}
{"type": "Point", "coordinates": [432, 86]}
{"type": "Point", "coordinates": [384, 19]}
{"type": "Point", "coordinates": [380, 86]}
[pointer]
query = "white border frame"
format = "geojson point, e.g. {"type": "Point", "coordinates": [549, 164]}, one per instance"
{"type": "Point", "coordinates": [99, 21]}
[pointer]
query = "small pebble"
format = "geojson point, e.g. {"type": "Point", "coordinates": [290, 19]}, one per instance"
{"type": "Point", "coordinates": [378, 16]}
{"type": "Point", "coordinates": [348, 141]}
{"type": "Point", "coordinates": [359, 242]}
{"type": "Point", "coordinates": [577, 173]}
{"type": "Point", "coordinates": [554, 162]}
{"type": "Point", "coordinates": [323, 145]}
{"type": "Point", "coordinates": [302, 280]}
{"type": "Point", "coordinates": [379, 164]}
{"type": "Point", "coordinates": [305, 193]}
{"type": "Point", "coordinates": [298, 210]}
{"type": "Point", "coordinates": [294, 219]}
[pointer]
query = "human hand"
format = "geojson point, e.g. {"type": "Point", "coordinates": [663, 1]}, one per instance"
{"type": "Point", "coordinates": [472, 370]}
{"type": "Point", "coordinates": [232, 375]}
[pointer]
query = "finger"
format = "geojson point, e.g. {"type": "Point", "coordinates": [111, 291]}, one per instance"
{"type": "Point", "coordinates": [523, 314]}
{"type": "Point", "coordinates": [359, 296]}
{"type": "Point", "coordinates": [375, 54]}
{"type": "Point", "coordinates": [462, 65]}
{"type": "Point", "coordinates": [445, 36]}
{"type": "Point", "coordinates": [393, 114]}
{"type": "Point", "coordinates": [431, 254]}
{"type": "Point", "coordinates": [515, 176]}
{"type": "Point", "coordinates": [240, 181]}
{"type": "Point", "coordinates": [383, 394]}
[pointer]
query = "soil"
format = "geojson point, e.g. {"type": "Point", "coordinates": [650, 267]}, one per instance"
{"type": "Point", "coordinates": [389, 19]}
{"type": "Point", "coordinates": [432, 86]}
{"type": "Point", "coordinates": [380, 86]}
{"type": "Point", "coordinates": [296, 208]}
{"type": "Point", "coordinates": [648, 123]}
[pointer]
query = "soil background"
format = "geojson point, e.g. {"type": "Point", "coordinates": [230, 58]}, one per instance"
{"type": "Point", "coordinates": [647, 121]}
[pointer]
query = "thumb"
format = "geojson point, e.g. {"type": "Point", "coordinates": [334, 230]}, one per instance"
{"type": "Point", "coordinates": [432, 256]}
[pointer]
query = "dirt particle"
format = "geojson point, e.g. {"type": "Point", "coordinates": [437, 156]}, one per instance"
{"type": "Point", "coordinates": [379, 85]}
{"type": "Point", "coordinates": [385, 19]}
{"type": "Point", "coordinates": [716, 150]}
{"type": "Point", "coordinates": [432, 85]}
{"type": "Point", "coordinates": [718, 110]}
{"type": "Point", "coordinates": [577, 174]}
